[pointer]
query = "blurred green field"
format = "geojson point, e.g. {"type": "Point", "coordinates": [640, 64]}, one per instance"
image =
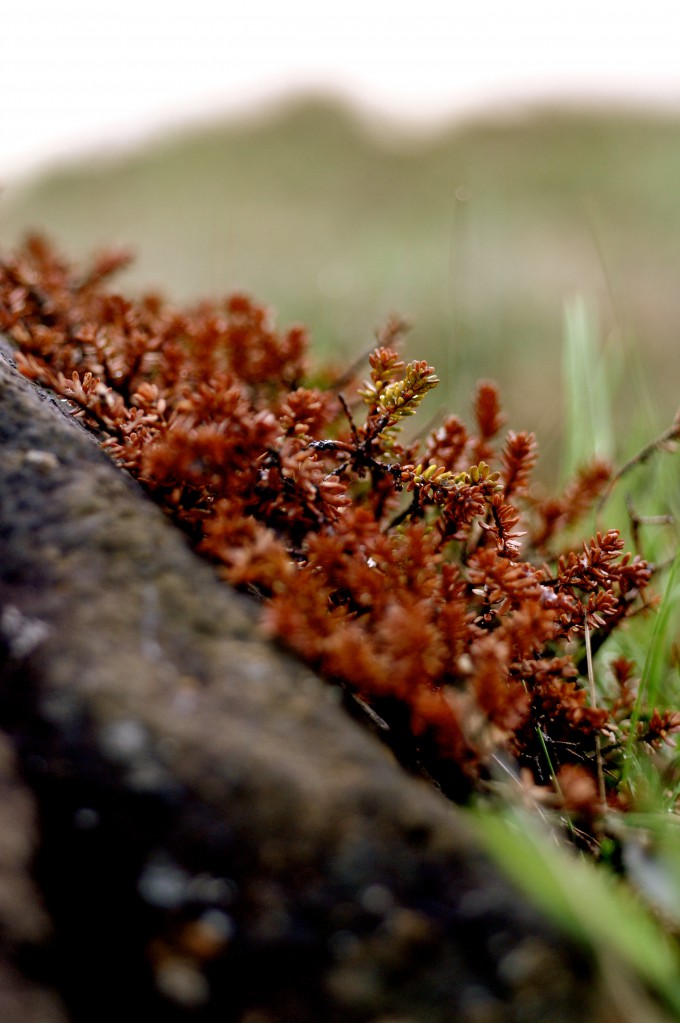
{"type": "Point", "coordinates": [478, 235]}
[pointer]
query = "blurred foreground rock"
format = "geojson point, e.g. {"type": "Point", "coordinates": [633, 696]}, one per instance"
{"type": "Point", "coordinates": [191, 827]}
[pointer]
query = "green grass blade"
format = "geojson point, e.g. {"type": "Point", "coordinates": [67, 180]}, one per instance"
{"type": "Point", "coordinates": [586, 901]}
{"type": "Point", "coordinates": [589, 380]}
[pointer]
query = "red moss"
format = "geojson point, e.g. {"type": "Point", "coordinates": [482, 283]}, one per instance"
{"type": "Point", "coordinates": [413, 575]}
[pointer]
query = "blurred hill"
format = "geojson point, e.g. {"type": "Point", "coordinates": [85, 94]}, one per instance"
{"type": "Point", "coordinates": [477, 235]}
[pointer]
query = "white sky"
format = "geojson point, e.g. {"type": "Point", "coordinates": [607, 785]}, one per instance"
{"type": "Point", "coordinates": [75, 74]}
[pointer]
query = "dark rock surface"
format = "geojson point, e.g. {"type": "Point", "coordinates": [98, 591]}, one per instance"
{"type": "Point", "coordinates": [191, 825]}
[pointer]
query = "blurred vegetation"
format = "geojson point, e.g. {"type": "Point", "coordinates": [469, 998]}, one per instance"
{"type": "Point", "coordinates": [481, 236]}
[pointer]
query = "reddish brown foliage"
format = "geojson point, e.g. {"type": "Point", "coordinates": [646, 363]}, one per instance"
{"type": "Point", "coordinates": [416, 582]}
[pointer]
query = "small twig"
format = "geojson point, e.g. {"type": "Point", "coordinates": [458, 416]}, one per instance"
{"type": "Point", "coordinates": [351, 372]}
{"type": "Point", "coordinates": [413, 509]}
{"type": "Point", "coordinates": [350, 418]}
{"type": "Point", "coordinates": [670, 434]}
{"type": "Point", "coordinates": [637, 520]}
